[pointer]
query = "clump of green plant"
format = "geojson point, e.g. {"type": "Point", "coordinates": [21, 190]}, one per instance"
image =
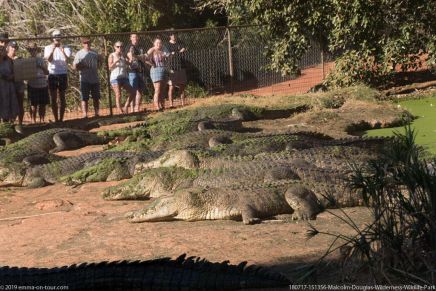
{"type": "Point", "coordinates": [6, 129]}
{"type": "Point", "coordinates": [178, 122]}
{"type": "Point", "coordinates": [399, 246]}
{"type": "Point", "coordinates": [99, 172]}
{"type": "Point", "coordinates": [194, 90]}
{"type": "Point", "coordinates": [333, 101]}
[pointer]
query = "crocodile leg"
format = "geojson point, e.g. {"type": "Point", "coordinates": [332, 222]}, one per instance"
{"type": "Point", "coordinates": [249, 215]}
{"type": "Point", "coordinates": [66, 141]}
{"type": "Point", "coordinates": [37, 159]}
{"type": "Point", "coordinates": [303, 201]}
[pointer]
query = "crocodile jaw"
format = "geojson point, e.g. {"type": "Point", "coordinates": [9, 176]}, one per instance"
{"type": "Point", "coordinates": [162, 209]}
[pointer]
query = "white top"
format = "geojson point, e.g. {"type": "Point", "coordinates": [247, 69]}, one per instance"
{"type": "Point", "coordinates": [119, 71]}
{"type": "Point", "coordinates": [58, 66]}
{"type": "Point", "coordinates": [41, 79]}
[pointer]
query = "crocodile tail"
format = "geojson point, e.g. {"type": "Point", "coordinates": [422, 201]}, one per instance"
{"type": "Point", "coordinates": [160, 274]}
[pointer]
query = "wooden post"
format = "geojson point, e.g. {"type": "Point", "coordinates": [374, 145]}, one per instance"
{"type": "Point", "coordinates": [229, 47]}
{"type": "Point", "coordinates": [108, 74]}
{"type": "Point", "coordinates": [322, 63]}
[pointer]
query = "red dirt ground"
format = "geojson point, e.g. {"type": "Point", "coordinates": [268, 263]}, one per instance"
{"type": "Point", "coordinates": [60, 225]}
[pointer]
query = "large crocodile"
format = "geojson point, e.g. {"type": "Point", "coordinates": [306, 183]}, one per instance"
{"type": "Point", "coordinates": [119, 165]}
{"type": "Point", "coordinates": [247, 203]}
{"type": "Point", "coordinates": [37, 148]}
{"type": "Point", "coordinates": [325, 157]}
{"type": "Point", "coordinates": [156, 182]}
{"type": "Point", "coordinates": [158, 274]}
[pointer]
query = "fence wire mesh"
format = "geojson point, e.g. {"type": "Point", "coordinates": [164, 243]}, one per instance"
{"type": "Point", "coordinates": [217, 60]}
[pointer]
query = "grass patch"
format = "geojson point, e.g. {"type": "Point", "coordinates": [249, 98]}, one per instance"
{"type": "Point", "coordinates": [425, 123]}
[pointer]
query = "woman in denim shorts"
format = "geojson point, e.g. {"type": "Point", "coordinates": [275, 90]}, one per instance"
{"type": "Point", "coordinates": [118, 65]}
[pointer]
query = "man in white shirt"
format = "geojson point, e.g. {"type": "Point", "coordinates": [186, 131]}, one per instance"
{"type": "Point", "coordinates": [57, 56]}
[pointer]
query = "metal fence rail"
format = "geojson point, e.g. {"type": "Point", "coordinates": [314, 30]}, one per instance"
{"type": "Point", "coordinates": [217, 60]}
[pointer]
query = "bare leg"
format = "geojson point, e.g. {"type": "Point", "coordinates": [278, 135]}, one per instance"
{"type": "Point", "coordinates": [137, 100]}
{"type": "Point", "coordinates": [85, 109]}
{"type": "Point", "coordinates": [117, 92]}
{"type": "Point", "coordinates": [54, 103]}
{"type": "Point", "coordinates": [33, 113]}
{"type": "Point", "coordinates": [182, 93]}
{"type": "Point", "coordinates": [161, 96]}
{"type": "Point", "coordinates": [41, 113]}
{"type": "Point", "coordinates": [130, 96]}
{"type": "Point", "coordinates": [62, 105]}
{"type": "Point", "coordinates": [170, 95]}
{"type": "Point", "coordinates": [156, 96]}
{"type": "Point", "coordinates": [96, 104]}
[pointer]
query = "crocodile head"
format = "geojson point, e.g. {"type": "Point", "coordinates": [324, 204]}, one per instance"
{"type": "Point", "coordinates": [178, 158]}
{"type": "Point", "coordinates": [12, 175]}
{"type": "Point", "coordinates": [162, 209]}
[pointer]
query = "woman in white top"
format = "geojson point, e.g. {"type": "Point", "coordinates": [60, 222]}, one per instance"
{"type": "Point", "coordinates": [118, 65]}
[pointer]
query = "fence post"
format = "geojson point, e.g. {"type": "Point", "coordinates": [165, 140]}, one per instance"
{"type": "Point", "coordinates": [229, 47]}
{"type": "Point", "coordinates": [108, 74]}
{"type": "Point", "coordinates": [322, 63]}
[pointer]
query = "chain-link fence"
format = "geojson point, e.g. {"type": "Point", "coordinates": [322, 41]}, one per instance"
{"type": "Point", "coordinates": [216, 60]}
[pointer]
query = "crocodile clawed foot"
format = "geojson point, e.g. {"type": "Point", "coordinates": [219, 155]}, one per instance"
{"type": "Point", "coordinates": [302, 216]}
{"type": "Point", "coordinates": [253, 220]}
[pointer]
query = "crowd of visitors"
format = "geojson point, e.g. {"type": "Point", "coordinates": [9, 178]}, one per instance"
{"type": "Point", "coordinates": [127, 65]}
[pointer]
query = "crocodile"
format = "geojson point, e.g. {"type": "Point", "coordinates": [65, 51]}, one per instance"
{"type": "Point", "coordinates": [165, 274]}
{"type": "Point", "coordinates": [335, 157]}
{"type": "Point", "coordinates": [36, 148]}
{"type": "Point", "coordinates": [120, 166]}
{"type": "Point", "coordinates": [156, 182]}
{"type": "Point", "coordinates": [249, 203]}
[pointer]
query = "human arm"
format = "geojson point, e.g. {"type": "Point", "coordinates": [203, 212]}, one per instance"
{"type": "Point", "coordinates": [112, 63]}
{"type": "Point", "coordinates": [148, 58]}
{"type": "Point", "coordinates": [48, 53]}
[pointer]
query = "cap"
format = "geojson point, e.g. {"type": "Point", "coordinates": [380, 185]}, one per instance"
{"type": "Point", "coordinates": [4, 36]}
{"type": "Point", "coordinates": [85, 39]}
{"type": "Point", "coordinates": [56, 33]}
{"type": "Point", "coordinates": [13, 44]}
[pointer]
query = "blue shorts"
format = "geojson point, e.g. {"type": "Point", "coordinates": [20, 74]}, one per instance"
{"type": "Point", "coordinates": [58, 82]}
{"type": "Point", "coordinates": [120, 82]}
{"type": "Point", "coordinates": [87, 89]}
{"type": "Point", "coordinates": [136, 81]}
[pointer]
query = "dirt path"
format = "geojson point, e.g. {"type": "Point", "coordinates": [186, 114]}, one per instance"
{"type": "Point", "coordinates": [71, 225]}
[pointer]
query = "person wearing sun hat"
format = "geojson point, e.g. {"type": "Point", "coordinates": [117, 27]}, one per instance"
{"type": "Point", "coordinates": [4, 39]}
{"type": "Point", "coordinates": [57, 56]}
{"type": "Point", "coordinates": [87, 62]}
{"type": "Point", "coordinates": [8, 100]}
{"type": "Point", "coordinates": [37, 89]}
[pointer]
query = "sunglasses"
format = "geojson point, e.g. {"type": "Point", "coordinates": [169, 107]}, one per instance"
{"type": "Point", "coordinates": [117, 46]}
{"type": "Point", "coordinates": [86, 42]}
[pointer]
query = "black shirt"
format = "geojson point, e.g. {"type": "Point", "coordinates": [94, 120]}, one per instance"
{"type": "Point", "coordinates": [137, 65]}
{"type": "Point", "coordinates": [175, 61]}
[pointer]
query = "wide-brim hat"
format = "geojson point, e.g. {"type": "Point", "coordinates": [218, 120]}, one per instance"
{"type": "Point", "coordinates": [4, 36]}
{"type": "Point", "coordinates": [56, 33]}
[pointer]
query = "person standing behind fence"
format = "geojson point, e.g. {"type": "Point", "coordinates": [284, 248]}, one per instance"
{"type": "Point", "coordinates": [177, 74]}
{"type": "Point", "coordinates": [19, 85]}
{"type": "Point", "coordinates": [8, 100]}
{"type": "Point", "coordinates": [37, 89]}
{"type": "Point", "coordinates": [87, 61]}
{"type": "Point", "coordinates": [158, 72]}
{"type": "Point", "coordinates": [119, 79]}
{"type": "Point", "coordinates": [4, 39]}
{"type": "Point", "coordinates": [135, 55]}
{"type": "Point", "coordinates": [57, 56]}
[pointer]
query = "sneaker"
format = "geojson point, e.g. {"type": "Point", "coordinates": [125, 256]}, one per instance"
{"type": "Point", "coordinates": [19, 128]}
